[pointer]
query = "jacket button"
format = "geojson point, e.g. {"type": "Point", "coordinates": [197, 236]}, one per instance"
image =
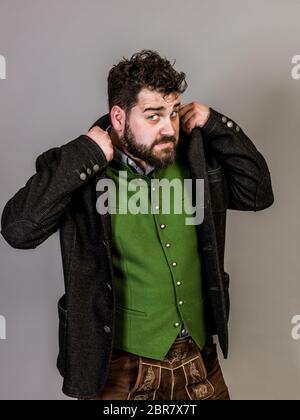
{"type": "Point", "coordinates": [96, 168]}
{"type": "Point", "coordinates": [108, 286]}
{"type": "Point", "coordinates": [107, 329]}
{"type": "Point", "coordinates": [83, 176]}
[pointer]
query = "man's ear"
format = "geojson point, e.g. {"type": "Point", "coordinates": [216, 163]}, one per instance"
{"type": "Point", "coordinates": [118, 119]}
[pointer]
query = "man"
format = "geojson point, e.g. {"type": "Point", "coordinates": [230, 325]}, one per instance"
{"type": "Point", "coordinates": [145, 291]}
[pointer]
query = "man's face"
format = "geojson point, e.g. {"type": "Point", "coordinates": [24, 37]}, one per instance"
{"type": "Point", "coordinates": [152, 128]}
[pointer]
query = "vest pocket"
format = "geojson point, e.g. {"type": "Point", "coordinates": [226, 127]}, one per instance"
{"type": "Point", "coordinates": [62, 315]}
{"type": "Point", "coordinates": [129, 324]}
{"type": "Point", "coordinates": [129, 311]}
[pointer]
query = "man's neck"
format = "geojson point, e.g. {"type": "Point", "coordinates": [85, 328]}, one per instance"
{"type": "Point", "coordinates": [116, 142]}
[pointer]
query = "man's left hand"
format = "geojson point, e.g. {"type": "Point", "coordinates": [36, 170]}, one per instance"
{"type": "Point", "coordinates": [193, 115]}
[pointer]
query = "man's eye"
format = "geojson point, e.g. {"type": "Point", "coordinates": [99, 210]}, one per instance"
{"type": "Point", "coordinates": [152, 117]}
{"type": "Point", "coordinates": [174, 114]}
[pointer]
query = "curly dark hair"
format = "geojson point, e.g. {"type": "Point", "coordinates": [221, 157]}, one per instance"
{"type": "Point", "coordinates": [145, 69]}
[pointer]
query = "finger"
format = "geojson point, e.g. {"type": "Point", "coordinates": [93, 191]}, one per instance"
{"type": "Point", "coordinates": [185, 107]}
{"type": "Point", "coordinates": [185, 117]}
{"type": "Point", "coordinates": [191, 123]}
{"type": "Point", "coordinates": [189, 105]}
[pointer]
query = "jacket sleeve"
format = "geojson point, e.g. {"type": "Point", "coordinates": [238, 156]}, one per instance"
{"type": "Point", "coordinates": [35, 211]}
{"type": "Point", "coordinates": [247, 174]}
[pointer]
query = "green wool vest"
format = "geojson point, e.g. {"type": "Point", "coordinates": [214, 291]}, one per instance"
{"type": "Point", "coordinates": [157, 267]}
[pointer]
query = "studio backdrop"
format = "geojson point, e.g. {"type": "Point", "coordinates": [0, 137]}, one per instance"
{"type": "Point", "coordinates": [241, 58]}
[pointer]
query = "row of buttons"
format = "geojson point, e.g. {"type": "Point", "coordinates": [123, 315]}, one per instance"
{"type": "Point", "coordinates": [83, 175]}
{"type": "Point", "coordinates": [163, 226]}
{"type": "Point", "coordinates": [174, 264]}
{"type": "Point", "coordinates": [156, 207]}
{"type": "Point", "coordinates": [230, 123]}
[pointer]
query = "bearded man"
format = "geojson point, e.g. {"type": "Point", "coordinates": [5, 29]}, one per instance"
{"type": "Point", "coordinates": [145, 292]}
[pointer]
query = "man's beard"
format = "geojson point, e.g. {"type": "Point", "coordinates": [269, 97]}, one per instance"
{"type": "Point", "coordinates": [146, 153]}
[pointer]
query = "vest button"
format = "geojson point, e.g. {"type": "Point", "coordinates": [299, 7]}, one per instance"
{"type": "Point", "coordinates": [108, 286]}
{"type": "Point", "coordinates": [107, 329]}
{"type": "Point", "coordinates": [96, 168]}
{"type": "Point", "coordinates": [83, 176]}
{"type": "Point", "coordinates": [89, 171]}
{"type": "Point", "coordinates": [229, 124]}
{"type": "Point", "coordinates": [176, 324]}
{"type": "Point", "coordinates": [162, 226]}
{"type": "Point", "coordinates": [224, 119]}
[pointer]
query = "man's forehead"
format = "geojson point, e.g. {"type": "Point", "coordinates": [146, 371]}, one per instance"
{"type": "Point", "coordinates": [149, 98]}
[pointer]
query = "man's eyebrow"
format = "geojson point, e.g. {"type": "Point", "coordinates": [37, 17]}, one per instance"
{"type": "Point", "coordinates": [160, 108]}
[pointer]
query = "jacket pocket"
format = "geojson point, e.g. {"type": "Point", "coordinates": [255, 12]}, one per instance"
{"type": "Point", "coordinates": [226, 281]}
{"type": "Point", "coordinates": [63, 319]}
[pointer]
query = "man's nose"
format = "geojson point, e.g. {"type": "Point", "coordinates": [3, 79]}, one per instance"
{"type": "Point", "coordinates": [168, 128]}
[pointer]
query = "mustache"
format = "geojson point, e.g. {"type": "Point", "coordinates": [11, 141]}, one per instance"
{"type": "Point", "coordinates": [165, 140]}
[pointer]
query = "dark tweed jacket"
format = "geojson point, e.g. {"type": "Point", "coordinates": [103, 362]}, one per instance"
{"type": "Point", "coordinates": [61, 195]}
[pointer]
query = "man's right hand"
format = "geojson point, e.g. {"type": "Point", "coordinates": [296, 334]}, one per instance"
{"type": "Point", "coordinates": [102, 138]}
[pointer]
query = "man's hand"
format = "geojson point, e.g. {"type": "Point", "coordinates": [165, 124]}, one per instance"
{"type": "Point", "coordinates": [102, 138]}
{"type": "Point", "coordinates": [193, 115]}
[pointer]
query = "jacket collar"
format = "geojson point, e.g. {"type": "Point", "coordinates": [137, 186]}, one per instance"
{"type": "Point", "coordinates": [192, 145]}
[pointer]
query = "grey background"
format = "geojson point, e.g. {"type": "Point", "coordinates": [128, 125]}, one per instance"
{"type": "Point", "coordinates": [237, 56]}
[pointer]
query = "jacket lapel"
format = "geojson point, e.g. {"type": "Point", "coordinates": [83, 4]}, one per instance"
{"type": "Point", "coordinates": [206, 230]}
